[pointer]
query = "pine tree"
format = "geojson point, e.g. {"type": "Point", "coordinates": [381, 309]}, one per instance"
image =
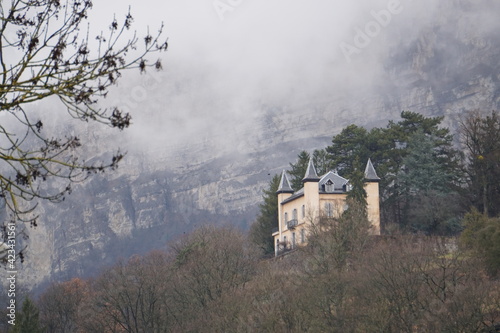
{"type": "Point", "coordinates": [27, 320]}
{"type": "Point", "coordinates": [322, 161]}
{"type": "Point", "coordinates": [392, 150]}
{"type": "Point", "coordinates": [299, 170]}
{"type": "Point", "coordinates": [346, 147]}
{"type": "Point", "coordinates": [357, 181]}
{"type": "Point", "coordinates": [267, 220]}
{"type": "Point", "coordinates": [422, 168]}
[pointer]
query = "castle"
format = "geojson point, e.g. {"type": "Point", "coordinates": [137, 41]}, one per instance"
{"type": "Point", "coordinates": [320, 197]}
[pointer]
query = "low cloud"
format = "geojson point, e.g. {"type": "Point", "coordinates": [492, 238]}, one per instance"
{"type": "Point", "coordinates": [222, 76]}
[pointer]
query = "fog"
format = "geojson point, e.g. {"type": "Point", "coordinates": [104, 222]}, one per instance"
{"type": "Point", "coordinates": [230, 63]}
{"type": "Point", "coordinates": [249, 77]}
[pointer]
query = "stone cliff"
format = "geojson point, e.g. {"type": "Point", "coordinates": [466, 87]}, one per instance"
{"type": "Point", "coordinates": [163, 191]}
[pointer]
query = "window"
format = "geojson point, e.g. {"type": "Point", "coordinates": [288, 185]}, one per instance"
{"type": "Point", "coordinates": [293, 240]}
{"type": "Point", "coordinates": [284, 241]}
{"type": "Point", "coordinates": [329, 186]}
{"type": "Point", "coordinates": [303, 235]}
{"type": "Point", "coordinates": [303, 211]}
{"type": "Point", "coordinates": [328, 209]}
{"type": "Point", "coordinates": [294, 214]}
{"type": "Point", "coordinates": [286, 217]}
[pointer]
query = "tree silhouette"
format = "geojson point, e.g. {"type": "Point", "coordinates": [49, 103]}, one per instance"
{"type": "Point", "coordinates": [46, 53]}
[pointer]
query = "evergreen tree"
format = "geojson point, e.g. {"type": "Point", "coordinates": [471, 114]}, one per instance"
{"type": "Point", "coordinates": [267, 220]}
{"type": "Point", "coordinates": [346, 148]}
{"type": "Point", "coordinates": [322, 161]}
{"type": "Point", "coordinates": [390, 149]}
{"type": "Point", "coordinates": [422, 169]}
{"type": "Point", "coordinates": [437, 148]}
{"type": "Point", "coordinates": [27, 319]}
{"type": "Point", "coordinates": [298, 170]}
{"type": "Point", "coordinates": [427, 187]}
{"type": "Point", "coordinates": [357, 181]}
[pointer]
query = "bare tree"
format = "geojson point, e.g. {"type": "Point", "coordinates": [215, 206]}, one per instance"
{"type": "Point", "coordinates": [422, 284]}
{"type": "Point", "coordinates": [333, 241]}
{"type": "Point", "coordinates": [60, 305]}
{"type": "Point", "coordinates": [46, 53]}
{"type": "Point", "coordinates": [210, 264]}
{"type": "Point", "coordinates": [211, 281]}
{"type": "Point", "coordinates": [480, 137]}
{"type": "Point", "coordinates": [275, 300]}
{"type": "Point", "coordinates": [132, 297]}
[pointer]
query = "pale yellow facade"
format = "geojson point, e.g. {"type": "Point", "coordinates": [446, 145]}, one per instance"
{"type": "Point", "coordinates": [373, 206]}
{"type": "Point", "coordinates": [298, 210]}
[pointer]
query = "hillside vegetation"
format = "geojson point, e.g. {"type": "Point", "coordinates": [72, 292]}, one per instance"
{"type": "Point", "coordinates": [435, 269]}
{"type": "Point", "coordinates": [213, 281]}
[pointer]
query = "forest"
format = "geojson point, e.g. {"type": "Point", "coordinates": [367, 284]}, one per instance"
{"type": "Point", "coordinates": [435, 268]}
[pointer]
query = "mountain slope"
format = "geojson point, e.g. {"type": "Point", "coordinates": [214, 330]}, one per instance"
{"type": "Point", "coordinates": [179, 174]}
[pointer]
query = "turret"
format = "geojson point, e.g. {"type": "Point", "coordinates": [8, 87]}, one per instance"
{"type": "Point", "coordinates": [284, 191]}
{"type": "Point", "coordinates": [372, 197]}
{"type": "Point", "coordinates": [311, 189]}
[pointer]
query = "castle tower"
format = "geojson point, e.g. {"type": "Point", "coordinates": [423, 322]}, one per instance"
{"type": "Point", "coordinates": [311, 192]}
{"type": "Point", "coordinates": [284, 192]}
{"type": "Point", "coordinates": [372, 197]}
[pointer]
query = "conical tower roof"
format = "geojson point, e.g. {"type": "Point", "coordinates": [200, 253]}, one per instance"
{"type": "Point", "coordinates": [284, 186]}
{"type": "Point", "coordinates": [311, 175]}
{"type": "Point", "coordinates": [370, 173]}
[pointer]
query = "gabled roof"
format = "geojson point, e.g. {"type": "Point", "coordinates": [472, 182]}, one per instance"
{"type": "Point", "coordinates": [370, 173]}
{"type": "Point", "coordinates": [311, 175]}
{"type": "Point", "coordinates": [284, 186]}
{"type": "Point", "coordinates": [334, 177]}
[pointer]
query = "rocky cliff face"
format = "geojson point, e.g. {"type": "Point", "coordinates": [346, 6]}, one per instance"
{"type": "Point", "coordinates": [165, 190]}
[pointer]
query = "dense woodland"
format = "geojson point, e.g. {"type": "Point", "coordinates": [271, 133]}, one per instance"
{"type": "Point", "coordinates": [434, 269]}
{"type": "Point", "coordinates": [214, 280]}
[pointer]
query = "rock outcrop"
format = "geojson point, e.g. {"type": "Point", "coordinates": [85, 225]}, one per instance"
{"type": "Point", "coordinates": [166, 190]}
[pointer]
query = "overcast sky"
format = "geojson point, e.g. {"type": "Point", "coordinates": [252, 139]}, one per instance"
{"type": "Point", "coordinates": [228, 58]}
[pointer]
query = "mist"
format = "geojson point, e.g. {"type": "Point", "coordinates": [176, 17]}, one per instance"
{"type": "Point", "coordinates": [243, 81]}
{"type": "Point", "coordinates": [229, 66]}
